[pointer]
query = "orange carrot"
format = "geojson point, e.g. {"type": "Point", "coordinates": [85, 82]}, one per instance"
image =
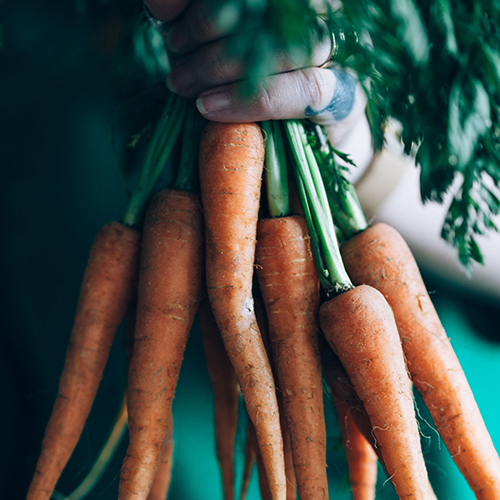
{"type": "Point", "coordinates": [360, 327]}
{"type": "Point", "coordinates": [107, 288]}
{"type": "Point", "coordinates": [231, 164]}
{"type": "Point", "coordinates": [290, 289]}
{"type": "Point", "coordinates": [361, 458]}
{"type": "Point", "coordinates": [342, 391]}
{"type": "Point", "coordinates": [226, 395]}
{"type": "Point", "coordinates": [170, 286]}
{"type": "Point", "coordinates": [291, 481]}
{"type": "Point", "coordinates": [161, 482]}
{"type": "Point", "coordinates": [249, 461]}
{"type": "Point", "coordinates": [380, 257]}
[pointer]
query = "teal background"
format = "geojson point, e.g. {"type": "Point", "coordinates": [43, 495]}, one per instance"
{"type": "Point", "coordinates": [59, 184]}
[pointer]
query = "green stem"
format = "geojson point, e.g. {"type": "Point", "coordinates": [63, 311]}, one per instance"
{"type": "Point", "coordinates": [315, 243]}
{"type": "Point", "coordinates": [343, 200]}
{"type": "Point", "coordinates": [187, 176]}
{"type": "Point", "coordinates": [320, 222]}
{"type": "Point", "coordinates": [276, 172]}
{"type": "Point", "coordinates": [159, 150]}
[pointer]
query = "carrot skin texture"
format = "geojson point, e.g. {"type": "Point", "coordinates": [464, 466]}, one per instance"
{"type": "Point", "coordinates": [226, 395]}
{"type": "Point", "coordinates": [107, 288]}
{"type": "Point", "coordinates": [380, 257]}
{"type": "Point", "coordinates": [360, 327]}
{"type": "Point", "coordinates": [231, 164]}
{"type": "Point", "coordinates": [361, 458]}
{"type": "Point", "coordinates": [290, 289]}
{"type": "Point", "coordinates": [161, 482]}
{"type": "Point", "coordinates": [291, 482]}
{"type": "Point", "coordinates": [170, 287]}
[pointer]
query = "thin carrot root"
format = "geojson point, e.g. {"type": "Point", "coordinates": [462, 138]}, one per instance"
{"type": "Point", "coordinates": [381, 258]}
{"type": "Point", "coordinates": [361, 458]}
{"type": "Point", "coordinates": [343, 392]}
{"type": "Point", "coordinates": [250, 457]}
{"type": "Point", "coordinates": [226, 395]}
{"type": "Point", "coordinates": [161, 482]}
{"type": "Point", "coordinates": [360, 327]}
{"type": "Point", "coordinates": [170, 287]}
{"type": "Point", "coordinates": [231, 163]}
{"type": "Point", "coordinates": [107, 288]}
{"type": "Point", "coordinates": [290, 289]}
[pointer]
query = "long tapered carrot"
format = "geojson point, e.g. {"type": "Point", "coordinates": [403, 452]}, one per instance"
{"type": "Point", "coordinates": [380, 257]}
{"type": "Point", "coordinates": [290, 289]}
{"type": "Point", "coordinates": [360, 327]}
{"type": "Point", "coordinates": [161, 482]}
{"type": "Point", "coordinates": [170, 287]}
{"type": "Point", "coordinates": [231, 164]}
{"type": "Point", "coordinates": [107, 288]}
{"type": "Point", "coordinates": [226, 395]}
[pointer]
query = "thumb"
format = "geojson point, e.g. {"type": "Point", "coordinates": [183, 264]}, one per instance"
{"type": "Point", "coordinates": [326, 95]}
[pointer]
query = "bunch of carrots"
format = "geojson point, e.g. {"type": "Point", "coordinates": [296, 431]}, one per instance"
{"type": "Point", "coordinates": [281, 305]}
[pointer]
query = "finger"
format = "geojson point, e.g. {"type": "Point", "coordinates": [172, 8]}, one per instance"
{"type": "Point", "coordinates": [201, 23]}
{"type": "Point", "coordinates": [328, 96]}
{"type": "Point", "coordinates": [212, 65]}
{"type": "Point", "coordinates": [166, 10]}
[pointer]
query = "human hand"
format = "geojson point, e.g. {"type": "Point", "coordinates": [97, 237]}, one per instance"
{"type": "Point", "coordinates": [296, 86]}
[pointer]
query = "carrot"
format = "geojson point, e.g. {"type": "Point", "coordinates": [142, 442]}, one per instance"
{"type": "Point", "coordinates": [361, 458]}
{"type": "Point", "coordinates": [291, 482]}
{"type": "Point", "coordinates": [161, 482]}
{"type": "Point", "coordinates": [231, 163]}
{"type": "Point", "coordinates": [107, 288]}
{"type": "Point", "coordinates": [343, 392]}
{"type": "Point", "coordinates": [170, 286]}
{"type": "Point", "coordinates": [249, 461]}
{"type": "Point", "coordinates": [290, 289]}
{"type": "Point", "coordinates": [380, 257]}
{"type": "Point", "coordinates": [360, 327]}
{"type": "Point", "coordinates": [226, 395]}
{"type": "Point", "coordinates": [359, 444]}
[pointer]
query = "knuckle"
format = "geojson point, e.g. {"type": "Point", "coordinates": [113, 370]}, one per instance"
{"type": "Point", "coordinates": [202, 27]}
{"type": "Point", "coordinates": [263, 101]}
{"type": "Point", "coordinates": [220, 68]}
{"type": "Point", "coordinates": [316, 87]}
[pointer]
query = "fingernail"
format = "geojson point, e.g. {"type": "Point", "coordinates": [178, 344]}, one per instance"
{"type": "Point", "coordinates": [177, 38]}
{"type": "Point", "coordinates": [211, 103]}
{"type": "Point", "coordinates": [180, 78]}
